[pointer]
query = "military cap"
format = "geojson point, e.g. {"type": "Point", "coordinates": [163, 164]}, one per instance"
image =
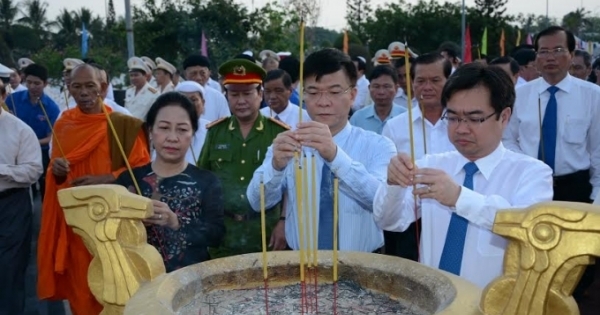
{"type": "Point", "coordinates": [71, 63]}
{"type": "Point", "coordinates": [24, 62]}
{"type": "Point", "coordinates": [398, 49]}
{"type": "Point", "coordinates": [149, 63]}
{"type": "Point", "coordinates": [382, 57]}
{"type": "Point", "coordinates": [241, 71]}
{"type": "Point", "coordinates": [137, 64]}
{"type": "Point", "coordinates": [268, 54]}
{"type": "Point", "coordinates": [164, 65]}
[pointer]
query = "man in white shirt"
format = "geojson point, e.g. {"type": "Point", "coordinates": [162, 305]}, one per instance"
{"type": "Point", "coordinates": [458, 193]}
{"type": "Point", "coordinates": [528, 71]}
{"type": "Point", "coordinates": [358, 158]}
{"type": "Point", "coordinates": [277, 91]}
{"type": "Point", "coordinates": [140, 96]}
{"type": "Point", "coordinates": [509, 65]}
{"type": "Point", "coordinates": [164, 74]}
{"type": "Point", "coordinates": [362, 84]}
{"type": "Point", "coordinates": [197, 68]}
{"type": "Point", "coordinates": [15, 82]}
{"type": "Point", "coordinates": [430, 72]}
{"type": "Point", "coordinates": [20, 167]}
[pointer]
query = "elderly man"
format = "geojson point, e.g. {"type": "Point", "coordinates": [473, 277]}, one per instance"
{"type": "Point", "coordinates": [459, 192]}
{"type": "Point", "coordinates": [358, 158]}
{"type": "Point", "coordinates": [234, 147]}
{"type": "Point", "coordinates": [197, 68]}
{"type": "Point", "coordinates": [91, 156]}
{"type": "Point", "coordinates": [20, 167]}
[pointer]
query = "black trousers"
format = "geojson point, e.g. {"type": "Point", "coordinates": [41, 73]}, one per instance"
{"type": "Point", "coordinates": [15, 245]}
{"type": "Point", "coordinates": [403, 244]}
{"type": "Point", "coordinates": [576, 187]}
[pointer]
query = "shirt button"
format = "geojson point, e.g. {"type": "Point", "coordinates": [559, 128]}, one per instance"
{"type": "Point", "coordinates": [243, 144]}
{"type": "Point", "coordinates": [243, 161]}
{"type": "Point", "coordinates": [242, 178]}
{"type": "Point", "coordinates": [219, 160]}
{"type": "Point", "coordinates": [242, 196]}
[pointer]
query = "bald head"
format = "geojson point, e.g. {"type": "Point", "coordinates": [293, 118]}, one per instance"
{"type": "Point", "coordinates": [95, 72]}
{"type": "Point", "coordinates": [88, 88]}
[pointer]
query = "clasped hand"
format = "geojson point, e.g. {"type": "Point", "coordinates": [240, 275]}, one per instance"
{"type": "Point", "coordinates": [310, 134]}
{"type": "Point", "coordinates": [163, 216]}
{"type": "Point", "coordinates": [430, 183]}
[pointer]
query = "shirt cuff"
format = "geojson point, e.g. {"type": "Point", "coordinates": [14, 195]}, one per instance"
{"type": "Point", "coordinates": [271, 174]}
{"type": "Point", "coordinates": [469, 203]}
{"type": "Point", "coordinates": [595, 191]}
{"type": "Point", "coordinates": [341, 164]}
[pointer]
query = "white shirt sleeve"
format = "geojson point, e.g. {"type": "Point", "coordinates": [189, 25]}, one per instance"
{"type": "Point", "coordinates": [28, 167]}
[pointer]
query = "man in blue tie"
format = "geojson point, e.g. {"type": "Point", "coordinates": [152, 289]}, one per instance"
{"type": "Point", "coordinates": [556, 120]}
{"type": "Point", "coordinates": [357, 158]}
{"type": "Point", "coordinates": [458, 193]}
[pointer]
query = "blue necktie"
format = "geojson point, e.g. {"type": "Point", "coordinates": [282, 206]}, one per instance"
{"type": "Point", "coordinates": [326, 210]}
{"type": "Point", "coordinates": [451, 259]}
{"type": "Point", "coordinates": [549, 130]}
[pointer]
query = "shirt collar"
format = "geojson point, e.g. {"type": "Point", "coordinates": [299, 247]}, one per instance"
{"type": "Point", "coordinates": [259, 123]}
{"type": "Point", "coordinates": [486, 164]}
{"type": "Point", "coordinates": [564, 85]}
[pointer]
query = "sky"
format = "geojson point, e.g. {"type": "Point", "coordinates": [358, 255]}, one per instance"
{"type": "Point", "coordinates": [333, 11]}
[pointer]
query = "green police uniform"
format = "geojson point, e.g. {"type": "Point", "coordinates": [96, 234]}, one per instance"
{"type": "Point", "coordinates": [234, 159]}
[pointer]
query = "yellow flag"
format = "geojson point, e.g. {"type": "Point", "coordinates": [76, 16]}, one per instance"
{"type": "Point", "coordinates": [484, 42]}
{"type": "Point", "coordinates": [345, 42]}
{"type": "Point", "coordinates": [502, 43]}
{"type": "Point", "coordinates": [518, 37]}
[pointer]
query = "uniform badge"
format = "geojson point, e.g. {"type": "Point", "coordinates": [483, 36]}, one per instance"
{"type": "Point", "coordinates": [224, 146]}
{"type": "Point", "coordinates": [239, 70]}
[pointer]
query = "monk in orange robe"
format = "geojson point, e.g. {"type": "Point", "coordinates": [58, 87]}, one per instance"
{"type": "Point", "coordinates": [91, 157]}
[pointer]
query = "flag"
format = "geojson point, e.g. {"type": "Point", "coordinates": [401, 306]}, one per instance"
{"type": "Point", "coordinates": [345, 48]}
{"type": "Point", "coordinates": [467, 48]}
{"type": "Point", "coordinates": [203, 48]}
{"type": "Point", "coordinates": [529, 41]}
{"type": "Point", "coordinates": [502, 43]}
{"type": "Point", "coordinates": [518, 37]}
{"type": "Point", "coordinates": [484, 42]}
{"type": "Point", "coordinates": [84, 41]}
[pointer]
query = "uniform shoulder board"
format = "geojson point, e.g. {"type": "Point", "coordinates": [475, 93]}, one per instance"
{"type": "Point", "coordinates": [216, 122]}
{"type": "Point", "coordinates": [280, 123]}
{"type": "Point", "coordinates": [153, 90]}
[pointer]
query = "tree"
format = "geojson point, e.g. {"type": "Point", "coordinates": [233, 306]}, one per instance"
{"type": "Point", "coordinates": [8, 14]}
{"type": "Point", "coordinates": [577, 21]}
{"type": "Point", "coordinates": [357, 13]}
{"type": "Point", "coordinates": [35, 17]}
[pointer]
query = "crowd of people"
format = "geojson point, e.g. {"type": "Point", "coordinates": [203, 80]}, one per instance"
{"type": "Point", "coordinates": [485, 136]}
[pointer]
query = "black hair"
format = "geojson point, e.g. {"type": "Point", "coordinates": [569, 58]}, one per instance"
{"type": "Point", "coordinates": [587, 58]}
{"type": "Point", "coordinates": [450, 48]}
{"type": "Point", "coordinates": [494, 79]}
{"type": "Point", "coordinates": [244, 56]}
{"type": "Point", "coordinates": [170, 99]}
{"type": "Point", "coordinates": [521, 47]}
{"type": "Point", "coordinates": [279, 74]}
{"type": "Point", "coordinates": [165, 71]}
{"type": "Point", "coordinates": [382, 70]}
{"type": "Point", "coordinates": [36, 70]}
{"type": "Point", "coordinates": [401, 62]}
{"type": "Point", "coordinates": [291, 65]}
{"type": "Point", "coordinates": [327, 61]}
{"type": "Point", "coordinates": [595, 66]}
{"type": "Point", "coordinates": [362, 65]}
{"type": "Point", "coordinates": [431, 58]}
{"type": "Point", "coordinates": [196, 60]}
{"type": "Point", "coordinates": [553, 30]}
{"type": "Point", "coordinates": [524, 56]}
{"type": "Point", "coordinates": [514, 65]}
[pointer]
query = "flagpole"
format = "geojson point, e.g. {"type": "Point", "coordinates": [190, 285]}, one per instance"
{"type": "Point", "coordinates": [462, 30]}
{"type": "Point", "coordinates": [129, 29]}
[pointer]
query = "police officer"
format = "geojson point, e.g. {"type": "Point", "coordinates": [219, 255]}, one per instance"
{"type": "Point", "coordinates": [140, 96]}
{"type": "Point", "coordinates": [234, 147]}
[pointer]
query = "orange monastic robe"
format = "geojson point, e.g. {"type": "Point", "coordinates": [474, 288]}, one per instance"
{"type": "Point", "coordinates": [63, 259]}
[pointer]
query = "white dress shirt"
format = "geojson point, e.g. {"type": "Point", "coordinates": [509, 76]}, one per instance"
{"type": "Point", "coordinates": [401, 99]}
{"type": "Point", "coordinates": [397, 129]}
{"type": "Point", "coordinates": [214, 84]}
{"type": "Point", "coordinates": [363, 97]}
{"type": "Point", "coordinates": [578, 134]}
{"type": "Point", "coordinates": [505, 180]}
{"type": "Point", "coordinates": [288, 116]}
{"type": "Point", "coordinates": [193, 154]}
{"type": "Point", "coordinates": [139, 104]}
{"type": "Point", "coordinates": [520, 81]}
{"type": "Point", "coordinates": [19, 88]}
{"type": "Point", "coordinates": [215, 105]}
{"type": "Point", "coordinates": [110, 94]}
{"type": "Point", "coordinates": [168, 88]}
{"type": "Point", "coordinates": [65, 101]}
{"type": "Point", "coordinates": [21, 154]}
{"type": "Point", "coordinates": [360, 164]}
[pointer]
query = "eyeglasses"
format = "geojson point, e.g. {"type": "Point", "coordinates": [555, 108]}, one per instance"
{"type": "Point", "coordinates": [545, 53]}
{"type": "Point", "coordinates": [382, 87]}
{"type": "Point", "coordinates": [454, 121]}
{"type": "Point", "coordinates": [311, 95]}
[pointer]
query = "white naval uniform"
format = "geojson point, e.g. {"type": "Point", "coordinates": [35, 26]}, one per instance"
{"type": "Point", "coordinates": [169, 88]}
{"type": "Point", "coordinates": [65, 101]}
{"type": "Point", "coordinates": [139, 104]}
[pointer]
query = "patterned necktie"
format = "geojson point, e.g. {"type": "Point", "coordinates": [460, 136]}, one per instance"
{"type": "Point", "coordinates": [326, 210]}
{"type": "Point", "coordinates": [547, 149]}
{"type": "Point", "coordinates": [451, 259]}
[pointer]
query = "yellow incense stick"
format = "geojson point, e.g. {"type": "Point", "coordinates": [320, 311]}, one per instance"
{"type": "Point", "coordinates": [301, 77]}
{"type": "Point", "coordinates": [306, 211]}
{"type": "Point", "coordinates": [53, 135]}
{"type": "Point", "coordinates": [409, 105]}
{"type": "Point", "coordinates": [299, 205]}
{"type": "Point", "coordinates": [263, 226]}
{"type": "Point", "coordinates": [66, 98]}
{"type": "Point", "coordinates": [314, 208]}
{"type": "Point", "coordinates": [335, 228]}
{"type": "Point", "coordinates": [424, 129]}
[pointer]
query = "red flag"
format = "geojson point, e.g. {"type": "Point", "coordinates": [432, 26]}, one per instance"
{"type": "Point", "coordinates": [203, 48]}
{"type": "Point", "coordinates": [467, 48]}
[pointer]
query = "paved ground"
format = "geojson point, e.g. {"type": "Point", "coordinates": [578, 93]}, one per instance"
{"type": "Point", "coordinates": [589, 305]}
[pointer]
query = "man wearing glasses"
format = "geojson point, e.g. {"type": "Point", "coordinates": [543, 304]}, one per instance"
{"type": "Point", "coordinates": [458, 193]}
{"type": "Point", "coordinates": [358, 158]}
{"type": "Point", "coordinates": [556, 120]}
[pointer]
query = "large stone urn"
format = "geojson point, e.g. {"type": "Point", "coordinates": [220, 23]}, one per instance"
{"type": "Point", "coordinates": [549, 246]}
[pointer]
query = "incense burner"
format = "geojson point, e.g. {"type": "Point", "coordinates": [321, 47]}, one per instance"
{"type": "Point", "coordinates": [549, 246]}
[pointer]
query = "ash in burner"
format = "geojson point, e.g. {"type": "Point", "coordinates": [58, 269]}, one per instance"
{"type": "Point", "coordinates": [351, 299]}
